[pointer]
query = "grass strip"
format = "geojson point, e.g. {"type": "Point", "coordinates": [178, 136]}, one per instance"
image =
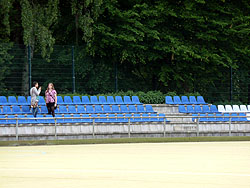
{"type": "Point", "coordinates": [124, 140]}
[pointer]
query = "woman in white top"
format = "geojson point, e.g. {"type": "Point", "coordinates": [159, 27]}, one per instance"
{"type": "Point", "coordinates": [34, 93]}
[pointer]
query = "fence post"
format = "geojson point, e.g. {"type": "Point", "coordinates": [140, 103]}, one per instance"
{"type": "Point", "coordinates": [129, 127]}
{"type": "Point", "coordinates": [16, 128]}
{"type": "Point", "coordinates": [197, 127]}
{"type": "Point", "coordinates": [93, 131]}
{"type": "Point", "coordinates": [29, 62]}
{"type": "Point", "coordinates": [73, 72]}
{"type": "Point", "coordinates": [164, 127]}
{"type": "Point", "coordinates": [230, 121]}
{"type": "Point", "coordinates": [55, 130]}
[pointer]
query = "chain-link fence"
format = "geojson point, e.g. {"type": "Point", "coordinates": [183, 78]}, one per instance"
{"type": "Point", "coordinates": [73, 71]}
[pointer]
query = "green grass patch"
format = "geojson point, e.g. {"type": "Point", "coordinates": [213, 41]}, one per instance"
{"type": "Point", "coordinates": [124, 140]}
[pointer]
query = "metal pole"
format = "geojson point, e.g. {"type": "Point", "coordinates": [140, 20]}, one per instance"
{"type": "Point", "coordinates": [197, 127]}
{"type": "Point", "coordinates": [164, 128]}
{"type": "Point", "coordinates": [73, 72]}
{"type": "Point", "coordinates": [16, 129]}
{"type": "Point", "coordinates": [231, 84]}
{"type": "Point", "coordinates": [129, 127]}
{"type": "Point", "coordinates": [230, 121]}
{"type": "Point", "coordinates": [55, 131]}
{"type": "Point", "coordinates": [93, 128]}
{"type": "Point", "coordinates": [29, 62]}
{"type": "Point", "coordinates": [116, 78]}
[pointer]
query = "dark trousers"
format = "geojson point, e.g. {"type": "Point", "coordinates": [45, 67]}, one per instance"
{"type": "Point", "coordinates": [34, 111]}
{"type": "Point", "coordinates": [51, 108]}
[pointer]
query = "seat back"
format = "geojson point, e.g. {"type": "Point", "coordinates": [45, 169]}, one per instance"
{"type": "Point", "coordinates": [221, 108]}
{"type": "Point", "coordinates": [200, 100]}
{"type": "Point", "coordinates": [149, 109]}
{"type": "Point", "coordinates": [94, 100]}
{"type": "Point", "coordinates": [110, 100]}
{"type": "Point", "coordinates": [185, 100]}
{"type": "Point", "coordinates": [72, 109]}
{"type": "Point", "coordinates": [63, 110]}
{"type": "Point", "coordinates": [127, 100]}
{"type": "Point", "coordinates": [132, 109]}
{"type": "Point", "coordinates": [118, 100]}
{"type": "Point", "coordinates": [190, 109]}
{"type": "Point", "coordinates": [60, 100]}
{"type": "Point", "coordinates": [124, 109]}
{"type": "Point", "coordinates": [182, 109]}
{"type": "Point", "coordinates": [140, 109]}
{"type": "Point", "coordinates": [107, 109]}
{"type": "Point", "coordinates": [26, 110]}
{"type": "Point", "coordinates": [85, 100]}
{"type": "Point", "coordinates": [102, 100]}
{"type": "Point", "coordinates": [81, 109]}
{"type": "Point", "coordinates": [3, 100]}
{"type": "Point", "coordinates": [228, 108]}
{"type": "Point", "coordinates": [205, 109]}
{"type": "Point", "coordinates": [135, 100]}
{"type": "Point", "coordinates": [197, 109]}
{"type": "Point", "coordinates": [243, 108]}
{"type": "Point", "coordinates": [89, 109]}
{"type": "Point", "coordinates": [177, 100]}
{"type": "Point", "coordinates": [98, 109]}
{"type": "Point", "coordinates": [67, 100]}
{"type": "Point", "coordinates": [169, 100]}
{"type": "Point", "coordinates": [77, 100]}
{"type": "Point", "coordinates": [21, 100]}
{"type": "Point", "coordinates": [12, 100]}
{"type": "Point", "coordinates": [236, 108]}
{"type": "Point", "coordinates": [115, 109]}
{"type": "Point", "coordinates": [16, 110]}
{"type": "Point", "coordinates": [192, 100]}
{"type": "Point", "coordinates": [213, 109]}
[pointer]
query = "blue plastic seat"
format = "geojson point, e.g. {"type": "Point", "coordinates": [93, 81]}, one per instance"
{"type": "Point", "coordinates": [149, 109]}
{"type": "Point", "coordinates": [154, 118]}
{"type": "Point", "coordinates": [197, 109]}
{"type": "Point", "coordinates": [127, 100]}
{"type": "Point", "coordinates": [112, 118]}
{"type": "Point", "coordinates": [31, 120]}
{"type": "Point", "coordinates": [21, 100]}
{"type": "Point", "coordinates": [219, 117]}
{"type": "Point", "coordinates": [76, 120]}
{"type": "Point", "coordinates": [107, 109]}
{"type": "Point", "coordinates": [185, 100]}
{"type": "Point", "coordinates": [115, 109]}
{"type": "Point", "coordinates": [213, 109]}
{"type": "Point", "coordinates": [162, 117]}
{"type": "Point", "coordinates": [203, 117]}
{"type": "Point", "coordinates": [234, 117]}
{"type": "Point", "coordinates": [211, 117]}
{"type": "Point", "coordinates": [68, 118]}
{"type": "Point", "coordinates": [16, 110]}
{"type": "Point", "coordinates": [132, 109]}
{"type": "Point", "coordinates": [118, 100]}
{"type": "Point", "coordinates": [226, 116]}
{"type": "Point", "coordinates": [3, 100]}
{"type": "Point", "coordinates": [141, 109]}
{"type": "Point", "coordinates": [94, 100]}
{"type": "Point", "coordinates": [102, 119]}
{"type": "Point", "coordinates": [29, 99]}
{"type": "Point", "coordinates": [146, 118]}
{"type": "Point", "coordinates": [81, 109]}
{"type": "Point", "coordinates": [77, 100]}
{"type": "Point", "coordinates": [90, 109]}
{"type": "Point", "coordinates": [192, 100]}
{"type": "Point", "coordinates": [110, 100]}
{"type": "Point", "coordinates": [200, 100]}
{"type": "Point", "coordinates": [102, 100]}
{"type": "Point", "coordinates": [41, 119]}
{"type": "Point", "coordinates": [3, 120]}
{"type": "Point", "coordinates": [7, 110]}
{"type": "Point", "coordinates": [60, 100]}
{"type": "Point", "coordinates": [41, 101]}
{"type": "Point", "coordinates": [59, 120]}
{"type": "Point", "coordinates": [11, 121]}
{"type": "Point", "coordinates": [85, 100]}
{"type": "Point", "coordinates": [182, 109]}
{"type": "Point", "coordinates": [177, 100]}
{"type": "Point", "coordinates": [124, 109]}
{"type": "Point", "coordinates": [50, 119]}
{"type": "Point", "coordinates": [136, 118]}
{"type": "Point", "coordinates": [135, 100]}
{"type": "Point", "coordinates": [169, 100]}
{"type": "Point", "coordinates": [121, 119]}
{"type": "Point", "coordinates": [44, 110]}
{"type": "Point", "coordinates": [98, 109]}
{"type": "Point", "coordinates": [86, 119]}
{"type": "Point", "coordinates": [26, 110]}
{"type": "Point", "coordinates": [63, 110]}
{"type": "Point", "coordinates": [12, 100]}
{"type": "Point", "coordinates": [205, 109]}
{"type": "Point", "coordinates": [72, 109]}
{"type": "Point", "coordinates": [67, 100]}
{"type": "Point", "coordinates": [128, 116]}
{"type": "Point", "coordinates": [244, 118]}
{"type": "Point", "coordinates": [190, 109]}
{"type": "Point", "coordinates": [94, 116]}
{"type": "Point", "coordinates": [21, 119]}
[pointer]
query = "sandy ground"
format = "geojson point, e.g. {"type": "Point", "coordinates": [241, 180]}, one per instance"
{"type": "Point", "coordinates": [213, 164]}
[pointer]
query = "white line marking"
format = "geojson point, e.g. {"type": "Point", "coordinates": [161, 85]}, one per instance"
{"type": "Point", "coordinates": [126, 171]}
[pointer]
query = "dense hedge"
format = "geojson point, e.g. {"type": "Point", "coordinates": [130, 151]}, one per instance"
{"type": "Point", "coordinates": [151, 97]}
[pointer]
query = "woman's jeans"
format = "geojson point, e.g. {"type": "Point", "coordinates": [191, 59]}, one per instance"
{"type": "Point", "coordinates": [34, 111]}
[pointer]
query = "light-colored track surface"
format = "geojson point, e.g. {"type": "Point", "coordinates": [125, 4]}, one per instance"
{"type": "Point", "coordinates": [207, 164]}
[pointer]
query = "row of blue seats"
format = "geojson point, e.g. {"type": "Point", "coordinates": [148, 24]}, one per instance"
{"type": "Point", "coordinates": [81, 109]}
{"type": "Point", "coordinates": [77, 100]}
{"type": "Point", "coordinates": [220, 117]}
{"type": "Point", "coordinates": [111, 118]}
{"type": "Point", "coordinates": [184, 100]}
{"type": "Point", "coordinates": [198, 109]}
